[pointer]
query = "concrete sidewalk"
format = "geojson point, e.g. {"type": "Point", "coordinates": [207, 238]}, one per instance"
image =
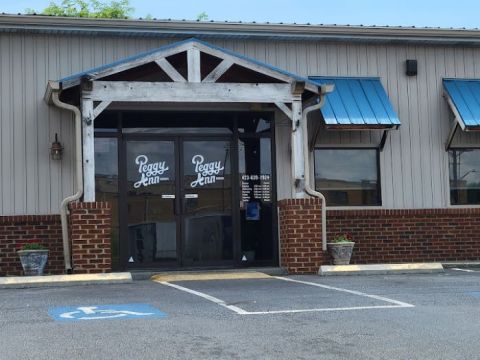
{"type": "Point", "coordinates": [64, 280]}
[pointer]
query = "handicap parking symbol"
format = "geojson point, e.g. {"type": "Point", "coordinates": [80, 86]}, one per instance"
{"type": "Point", "coordinates": [105, 312]}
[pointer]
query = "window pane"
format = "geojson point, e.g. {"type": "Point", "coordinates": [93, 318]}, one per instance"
{"type": "Point", "coordinates": [464, 176]}
{"type": "Point", "coordinates": [347, 177]}
{"type": "Point", "coordinates": [106, 184]}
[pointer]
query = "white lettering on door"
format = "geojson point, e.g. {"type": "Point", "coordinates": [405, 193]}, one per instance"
{"type": "Point", "coordinates": [206, 172]}
{"type": "Point", "coordinates": [150, 172]}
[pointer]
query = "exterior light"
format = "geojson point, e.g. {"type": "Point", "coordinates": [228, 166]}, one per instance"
{"type": "Point", "coordinates": [411, 67]}
{"type": "Point", "coordinates": [56, 150]}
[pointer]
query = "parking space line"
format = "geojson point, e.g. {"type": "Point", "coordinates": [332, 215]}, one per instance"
{"type": "Point", "coordinates": [464, 270]}
{"type": "Point", "coordinates": [353, 292]}
{"type": "Point", "coordinates": [396, 304]}
{"type": "Point", "coordinates": [206, 297]}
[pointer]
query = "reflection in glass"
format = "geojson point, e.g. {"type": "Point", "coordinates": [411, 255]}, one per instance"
{"type": "Point", "coordinates": [347, 177]}
{"type": "Point", "coordinates": [207, 202]}
{"type": "Point", "coordinates": [106, 185]}
{"type": "Point", "coordinates": [464, 176]}
{"type": "Point", "coordinates": [150, 187]}
{"type": "Point", "coordinates": [255, 171]}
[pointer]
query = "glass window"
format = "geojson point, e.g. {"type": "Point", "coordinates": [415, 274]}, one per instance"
{"type": "Point", "coordinates": [464, 176]}
{"type": "Point", "coordinates": [256, 208]}
{"type": "Point", "coordinates": [348, 177]}
{"type": "Point", "coordinates": [106, 184]}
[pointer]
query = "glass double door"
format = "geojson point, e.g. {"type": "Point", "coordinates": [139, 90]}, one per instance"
{"type": "Point", "coordinates": [178, 196]}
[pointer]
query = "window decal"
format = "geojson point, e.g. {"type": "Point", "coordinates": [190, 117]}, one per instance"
{"type": "Point", "coordinates": [150, 172]}
{"type": "Point", "coordinates": [206, 172]}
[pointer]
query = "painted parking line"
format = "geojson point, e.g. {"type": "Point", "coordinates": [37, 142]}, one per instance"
{"type": "Point", "coordinates": [464, 270]}
{"type": "Point", "coordinates": [210, 276]}
{"type": "Point", "coordinates": [105, 312]}
{"type": "Point", "coordinates": [392, 304]}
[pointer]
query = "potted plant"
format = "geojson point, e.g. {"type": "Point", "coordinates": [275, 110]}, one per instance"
{"type": "Point", "coordinates": [340, 248]}
{"type": "Point", "coordinates": [33, 257]}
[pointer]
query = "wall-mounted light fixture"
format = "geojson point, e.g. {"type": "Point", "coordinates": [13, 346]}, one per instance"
{"type": "Point", "coordinates": [411, 67]}
{"type": "Point", "coordinates": [56, 150]}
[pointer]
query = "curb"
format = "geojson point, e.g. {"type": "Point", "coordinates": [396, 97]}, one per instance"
{"type": "Point", "coordinates": [21, 282]}
{"type": "Point", "coordinates": [380, 269]}
{"type": "Point", "coordinates": [147, 275]}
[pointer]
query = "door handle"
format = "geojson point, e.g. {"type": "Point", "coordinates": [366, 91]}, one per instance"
{"type": "Point", "coordinates": [168, 196]}
{"type": "Point", "coordinates": [191, 196]}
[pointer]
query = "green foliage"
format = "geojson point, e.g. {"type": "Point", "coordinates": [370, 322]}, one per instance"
{"type": "Point", "coordinates": [203, 16]}
{"type": "Point", "coordinates": [88, 8]}
{"type": "Point", "coordinates": [33, 246]}
{"type": "Point", "coordinates": [342, 238]}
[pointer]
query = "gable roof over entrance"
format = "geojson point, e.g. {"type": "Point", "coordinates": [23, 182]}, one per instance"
{"type": "Point", "coordinates": [168, 62]}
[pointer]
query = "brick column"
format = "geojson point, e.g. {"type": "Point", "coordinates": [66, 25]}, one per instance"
{"type": "Point", "coordinates": [90, 229]}
{"type": "Point", "coordinates": [301, 235]}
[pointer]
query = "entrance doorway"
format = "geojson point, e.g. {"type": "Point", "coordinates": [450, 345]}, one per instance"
{"type": "Point", "coordinates": [190, 189]}
{"type": "Point", "coordinates": [179, 202]}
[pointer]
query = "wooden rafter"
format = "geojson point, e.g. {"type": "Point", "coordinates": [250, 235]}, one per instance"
{"type": "Point", "coordinates": [170, 70]}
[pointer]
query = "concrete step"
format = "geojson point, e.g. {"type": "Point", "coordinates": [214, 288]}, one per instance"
{"type": "Point", "coordinates": [379, 269]}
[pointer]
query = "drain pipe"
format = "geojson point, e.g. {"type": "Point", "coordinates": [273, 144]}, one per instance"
{"type": "Point", "coordinates": [79, 176]}
{"type": "Point", "coordinates": [306, 154]}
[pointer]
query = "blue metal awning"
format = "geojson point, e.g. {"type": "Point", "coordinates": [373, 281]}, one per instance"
{"type": "Point", "coordinates": [357, 103]}
{"type": "Point", "coordinates": [463, 96]}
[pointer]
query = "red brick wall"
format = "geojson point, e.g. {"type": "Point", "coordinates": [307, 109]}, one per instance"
{"type": "Point", "coordinates": [389, 236]}
{"type": "Point", "coordinates": [381, 236]}
{"type": "Point", "coordinates": [90, 228]}
{"type": "Point", "coordinates": [16, 230]}
{"type": "Point", "coordinates": [301, 235]}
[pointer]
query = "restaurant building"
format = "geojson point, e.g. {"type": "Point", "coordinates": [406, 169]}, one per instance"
{"type": "Point", "coordinates": [134, 144]}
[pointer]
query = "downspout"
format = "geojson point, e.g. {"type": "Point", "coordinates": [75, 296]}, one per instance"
{"type": "Point", "coordinates": [308, 188]}
{"type": "Point", "coordinates": [78, 167]}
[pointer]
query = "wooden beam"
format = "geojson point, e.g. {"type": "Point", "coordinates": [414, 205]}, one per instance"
{"type": "Point", "coordinates": [88, 149]}
{"type": "Point", "coordinates": [260, 68]}
{"type": "Point", "coordinates": [100, 107]}
{"type": "Point", "coordinates": [216, 73]}
{"type": "Point", "coordinates": [193, 60]}
{"type": "Point", "coordinates": [190, 92]}
{"type": "Point", "coordinates": [286, 110]}
{"type": "Point", "coordinates": [170, 70]}
{"type": "Point", "coordinates": [298, 165]}
{"type": "Point", "coordinates": [131, 64]}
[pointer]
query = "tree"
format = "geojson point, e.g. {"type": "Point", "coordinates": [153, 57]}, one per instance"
{"type": "Point", "coordinates": [203, 16]}
{"type": "Point", "coordinates": [119, 9]}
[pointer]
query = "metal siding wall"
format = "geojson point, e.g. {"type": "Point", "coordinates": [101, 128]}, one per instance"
{"type": "Point", "coordinates": [414, 165]}
{"type": "Point", "coordinates": [31, 183]}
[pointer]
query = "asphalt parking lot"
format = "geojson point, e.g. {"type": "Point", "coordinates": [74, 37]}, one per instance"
{"type": "Point", "coordinates": [431, 316]}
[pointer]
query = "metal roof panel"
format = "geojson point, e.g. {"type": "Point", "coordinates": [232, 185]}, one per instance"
{"type": "Point", "coordinates": [465, 97]}
{"type": "Point", "coordinates": [357, 102]}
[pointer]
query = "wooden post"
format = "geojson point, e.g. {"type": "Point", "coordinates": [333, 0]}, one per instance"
{"type": "Point", "coordinates": [193, 60]}
{"type": "Point", "coordinates": [298, 165]}
{"type": "Point", "coordinates": [88, 148]}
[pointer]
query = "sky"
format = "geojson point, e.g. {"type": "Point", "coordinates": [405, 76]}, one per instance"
{"type": "Point", "coordinates": [431, 13]}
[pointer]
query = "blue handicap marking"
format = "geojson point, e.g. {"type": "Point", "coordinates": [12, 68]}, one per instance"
{"type": "Point", "coordinates": [105, 312]}
{"type": "Point", "coordinates": [474, 293]}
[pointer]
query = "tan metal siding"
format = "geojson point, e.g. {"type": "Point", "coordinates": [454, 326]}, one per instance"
{"type": "Point", "coordinates": [414, 164]}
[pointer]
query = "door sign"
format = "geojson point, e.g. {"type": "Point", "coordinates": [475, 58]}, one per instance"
{"type": "Point", "coordinates": [206, 172]}
{"type": "Point", "coordinates": [105, 312]}
{"type": "Point", "coordinates": [150, 172]}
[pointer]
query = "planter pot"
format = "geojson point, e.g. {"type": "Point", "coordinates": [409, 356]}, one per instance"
{"type": "Point", "coordinates": [341, 252]}
{"type": "Point", "coordinates": [33, 261]}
